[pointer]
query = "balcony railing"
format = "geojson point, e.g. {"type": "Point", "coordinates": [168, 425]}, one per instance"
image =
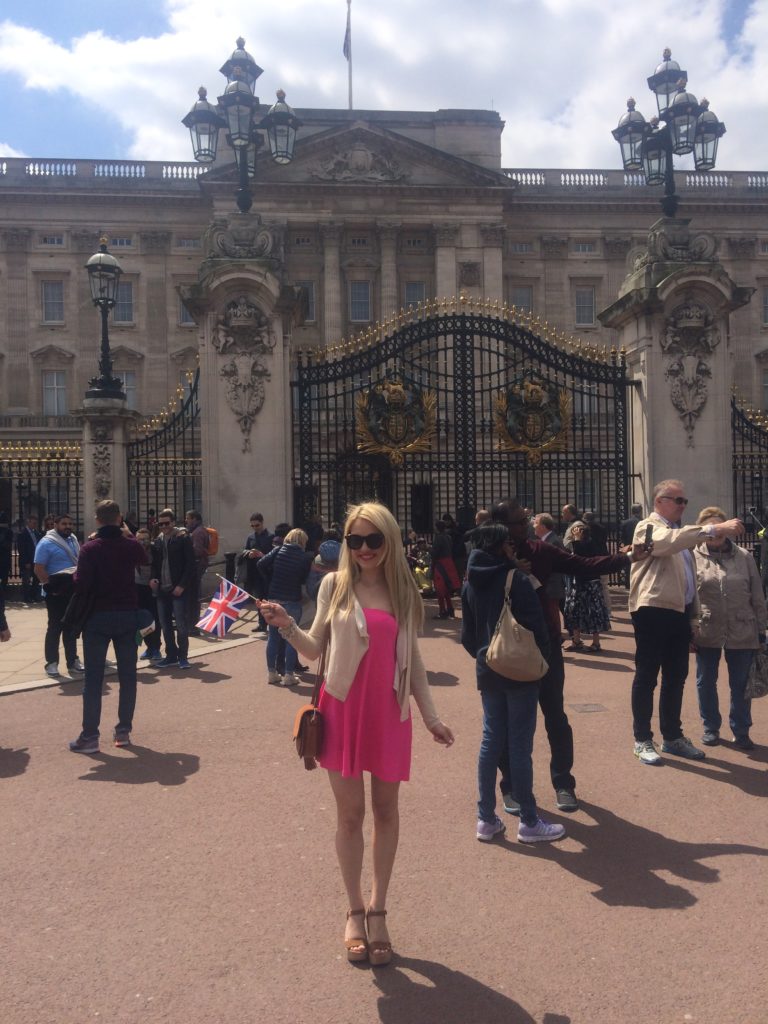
{"type": "Point", "coordinates": [562, 180]}
{"type": "Point", "coordinates": [24, 170]}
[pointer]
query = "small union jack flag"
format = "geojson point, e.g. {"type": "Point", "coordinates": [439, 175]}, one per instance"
{"type": "Point", "coordinates": [224, 609]}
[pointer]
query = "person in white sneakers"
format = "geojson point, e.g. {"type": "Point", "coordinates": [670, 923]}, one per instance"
{"type": "Point", "coordinates": [662, 603]}
{"type": "Point", "coordinates": [54, 566]}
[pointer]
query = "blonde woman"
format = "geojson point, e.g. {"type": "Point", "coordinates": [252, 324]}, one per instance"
{"type": "Point", "coordinates": [368, 612]}
{"type": "Point", "coordinates": [284, 570]}
{"type": "Point", "coordinates": [732, 618]}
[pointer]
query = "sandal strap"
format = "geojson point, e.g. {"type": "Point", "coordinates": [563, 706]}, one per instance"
{"type": "Point", "coordinates": [356, 940]}
{"type": "Point", "coordinates": [376, 913]}
{"type": "Point", "coordinates": [355, 913]}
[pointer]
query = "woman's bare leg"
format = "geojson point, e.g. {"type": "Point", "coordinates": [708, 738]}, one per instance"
{"type": "Point", "coordinates": [386, 832]}
{"type": "Point", "coordinates": [350, 812]}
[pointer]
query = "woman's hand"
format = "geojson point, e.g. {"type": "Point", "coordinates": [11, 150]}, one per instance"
{"type": "Point", "coordinates": [274, 614]}
{"type": "Point", "coordinates": [441, 734]}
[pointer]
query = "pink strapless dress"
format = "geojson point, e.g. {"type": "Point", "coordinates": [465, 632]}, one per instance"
{"type": "Point", "coordinates": [364, 733]}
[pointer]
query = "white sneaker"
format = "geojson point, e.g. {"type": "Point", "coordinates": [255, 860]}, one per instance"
{"type": "Point", "coordinates": [52, 669]}
{"type": "Point", "coordinates": [274, 678]}
{"type": "Point", "coordinates": [646, 753]}
{"type": "Point", "coordinates": [76, 668]}
{"type": "Point", "coordinates": [289, 679]}
{"type": "Point", "coordinates": [109, 666]}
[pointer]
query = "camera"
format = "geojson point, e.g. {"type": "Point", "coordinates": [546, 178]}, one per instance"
{"type": "Point", "coordinates": [752, 510]}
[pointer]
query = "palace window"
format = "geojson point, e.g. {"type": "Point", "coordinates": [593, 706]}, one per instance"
{"type": "Point", "coordinates": [52, 240]}
{"type": "Point", "coordinates": [123, 310]}
{"type": "Point", "coordinates": [302, 241]}
{"type": "Point", "coordinates": [358, 242]}
{"type": "Point", "coordinates": [360, 302]}
{"type": "Point", "coordinates": [765, 304]}
{"type": "Point", "coordinates": [522, 297]}
{"type": "Point", "coordinates": [187, 243]}
{"type": "Point", "coordinates": [121, 242]}
{"type": "Point", "coordinates": [584, 247]}
{"type": "Point", "coordinates": [54, 392]}
{"type": "Point", "coordinates": [128, 377]}
{"type": "Point", "coordinates": [53, 302]}
{"type": "Point", "coordinates": [415, 292]}
{"type": "Point", "coordinates": [764, 246]}
{"type": "Point", "coordinates": [520, 247]}
{"type": "Point", "coordinates": [414, 242]}
{"type": "Point", "coordinates": [309, 288]}
{"type": "Point", "coordinates": [585, 307]}
{"type": "Point", "coordinates": [185, 317]}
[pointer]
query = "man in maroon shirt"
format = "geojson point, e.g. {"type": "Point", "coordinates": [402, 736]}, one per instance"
{"type": "Point", "coordinates": [105, 571]}
{"type": "Point", "coordinates": [541, 560]}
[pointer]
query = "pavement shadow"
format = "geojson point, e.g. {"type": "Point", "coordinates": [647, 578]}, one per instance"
{"type": "Point", "coordinates": [601, 662]}
{"type": "Point", "coordinates": [147, 765]}
{"type": "Point", "coordinates": [438, 993]}
{"type": "Point", "coordinates": [749, 780]}
{"type": "Point", "coordinates": [622, 859]}
{"type": "Point", "coordinates": [442, 679]}
{"type": "Point", "coordinates": [13, 762]}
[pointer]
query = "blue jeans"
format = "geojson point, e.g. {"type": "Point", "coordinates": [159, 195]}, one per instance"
{"type": "Point", "coordinates": [509, 718]}
{"type": "Point", "coordinates": [168, 609]}
{"type": "Point", "coordinates": [276, 645]}
{"type": "Point", "coordinates": [738, 662]}
{"type": "Point", "coordinates": [101, 628]}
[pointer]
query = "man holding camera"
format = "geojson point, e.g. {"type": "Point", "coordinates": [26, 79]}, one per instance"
{"type": "Point", "coordinates": [662, 602]}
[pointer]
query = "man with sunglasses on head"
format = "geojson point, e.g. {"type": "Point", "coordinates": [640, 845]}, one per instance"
{"type": "Point", "coordinates": [662, 602]}
{"type": "Point", "coordinates": [173, 573]}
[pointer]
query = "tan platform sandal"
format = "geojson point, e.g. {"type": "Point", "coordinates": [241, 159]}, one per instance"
{"type": "Point", "coordinates": [379, 952]}
{"type": "Point", "coordinates": [355, 954]}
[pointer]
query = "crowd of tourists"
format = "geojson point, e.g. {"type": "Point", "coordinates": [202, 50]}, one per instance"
{"type": "Point", "coordinates": [352, 597]}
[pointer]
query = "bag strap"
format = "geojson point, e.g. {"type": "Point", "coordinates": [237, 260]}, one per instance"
{"type": "Point", "coordinates": [508, 584]}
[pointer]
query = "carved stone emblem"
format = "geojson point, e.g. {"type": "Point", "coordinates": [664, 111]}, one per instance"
{"type": "Point", "coordinates": [554, 246]}
{"type": "Point", "coordinates": [532, 416]}
{"type": "Point", "coordinates": [670, 241]}
{"type": "Point", "coordinates": [396, 418]}
{"type": "Point", "coordinates": [470, 275]}
{"type": "Point", "coordinates": [245, 336]}
{"type": "Point", "coordinates": [102, 468]}
{"type": "Point", "coordinates": [689, 338]}
{"type": "Point", "coordinates": [243, 239]}
{"type": "Point", "coordinates": [359, 163]}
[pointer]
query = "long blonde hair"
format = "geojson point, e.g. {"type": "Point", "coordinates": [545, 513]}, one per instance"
{"type": "Point", "coordinates": [403, 592]}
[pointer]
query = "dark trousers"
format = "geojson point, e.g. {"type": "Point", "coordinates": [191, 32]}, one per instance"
{"type": "Point", "coordinates": [30, 586]}
{"type": "Point", "coordinates": [57, 605]}
{"type": "Point", "coordinates": [193, 598]}
{"type": "Point", "coordinates": [559, 731]}
{"type": "Point", "coordinates": [174, 610]}
{"type": "Point", "coordinates": [101, 628]}
{"type": "Point", "coordinates": [662, 639]}
{"type": "Point", "coordinates": [148, 602]}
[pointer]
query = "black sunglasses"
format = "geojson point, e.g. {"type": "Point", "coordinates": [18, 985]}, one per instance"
{"type": "Point", "coordinates": [164, 522]}
{"type": "Point", "coordinates": [677, 501]}
{"type": "Point", "coordinates": [356, 540]}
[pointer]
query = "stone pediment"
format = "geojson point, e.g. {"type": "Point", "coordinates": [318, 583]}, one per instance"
{"type": "Point", "coordinates": [128, 355]}
{"type": "Point", "coordinates": [52, 353]}
{"type": "Point", "coordinates": [362, 154]}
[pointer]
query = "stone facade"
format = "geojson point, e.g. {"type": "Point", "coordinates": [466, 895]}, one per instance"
{"type": "Point", "coordinates": [377, 211]}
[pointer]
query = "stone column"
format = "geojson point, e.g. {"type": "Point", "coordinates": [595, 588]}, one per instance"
{"type": "Point", "coordinates": [332, 319]}
{"type": "Point", "coordinates": [672, 316]}
{"type": "Point", "coordinates": [492, 238]}
{"type": "Point", "coordinates": [388, 247]}
{"type": "Point", "coordinates": [446, 240]}
{"type": "Point", "coordinates": [17, 394]}
{"type": "Point", "coordinates": [106, 434]}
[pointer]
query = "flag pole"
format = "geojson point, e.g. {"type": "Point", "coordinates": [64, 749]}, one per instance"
{"type": "Point", "coordinates": [348, 50]}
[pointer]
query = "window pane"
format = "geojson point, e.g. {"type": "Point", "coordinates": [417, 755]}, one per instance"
{"type": "Point", "coordinates": [123, 313]}
{"type": "Point", "coordinates": [185, 317]}
{"type": "Point", "coordinates": [584, 247]}
{"type": "Point", "coordinates": [53, 302]}
{"type": "Point", "coordinates": [54, 393]}
{"type": "Point", "coordinates": [360, 301]}
{"type": "Point", "coordinates": [415, 292]}
{"type": "Point", "coordinates": [587, 493]}
{"type": "Point", "coordinates": [128, 377]}
{"type": "Point", "coordinates": [585, 306]}
{"type": "Point", "coordinates": [522, 298]}
{"type": "Point", "coordinates": [309, 288]}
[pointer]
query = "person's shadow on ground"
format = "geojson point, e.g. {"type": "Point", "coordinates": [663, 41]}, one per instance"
{"type": "Point", "coordinates": [442, 679]}
{"type": "Point", "coordinates": [753, 781]}
{"type": "Point", "coordinates": [13, 762]}
{"type": "Point", "coordinates": [166, 769]}
{"type": "Point", "coordinates": [622, 859]}
{"type": "Point", "coordinates": [445, 996]}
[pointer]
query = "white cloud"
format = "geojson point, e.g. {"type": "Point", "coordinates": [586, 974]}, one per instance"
{"type": "Point", "coordinates": [558, 71]}
{"type": "Point", "coordinates": [6, 150]}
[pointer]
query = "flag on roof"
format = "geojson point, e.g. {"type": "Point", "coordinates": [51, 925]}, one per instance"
{"type": "Point", "coordinates": [224, 609]}
{"type": "Point", "coordinates": [347, 50]}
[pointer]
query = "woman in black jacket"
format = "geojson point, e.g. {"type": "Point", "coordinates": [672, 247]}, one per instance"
{"type": "Point", "coordinates": [509, 707]}
{"type": "Point", "coordinates": [285, 568]}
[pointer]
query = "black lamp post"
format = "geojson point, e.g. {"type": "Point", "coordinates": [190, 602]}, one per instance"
{"type": "Point", "coordinates": [689, 127]}
{"type": "Point", "coordinates": [103, 275]}
{"type": "Point", "coordinates": [237, 111]}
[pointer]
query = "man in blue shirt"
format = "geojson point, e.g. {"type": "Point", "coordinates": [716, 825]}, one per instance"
{"type": "Point", "coordinates": [55, 561]}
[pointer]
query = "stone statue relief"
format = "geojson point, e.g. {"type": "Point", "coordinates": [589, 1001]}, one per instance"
{"type": "Point", "coordinates": [245, 336]}
{"type": "Point", "coordinates": [690, 337]}
{"type": "Point", "coordinates": [358, 163]}
{"type": "Point", "coordinates": [244, 238]}
{"type": "Point", "coordinates": [102, 467]}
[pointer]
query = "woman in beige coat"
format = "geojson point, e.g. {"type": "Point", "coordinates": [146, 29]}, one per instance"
{"type": "Point", "coordinates": [732, 618]}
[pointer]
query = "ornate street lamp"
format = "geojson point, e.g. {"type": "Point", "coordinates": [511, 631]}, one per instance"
{"type": "Point", "coordinates": [103, 276]}
{"type": "Point", "coordinates": [688, 127]}
{"type": "Point", "coordinates": [237, 111]}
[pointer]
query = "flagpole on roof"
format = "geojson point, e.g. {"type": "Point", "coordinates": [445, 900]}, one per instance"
{"type": "Point", "coordinates": [348, 49]}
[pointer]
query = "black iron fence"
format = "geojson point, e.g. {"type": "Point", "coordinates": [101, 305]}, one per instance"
{"type": "Point", "coordinates": [750, 469]}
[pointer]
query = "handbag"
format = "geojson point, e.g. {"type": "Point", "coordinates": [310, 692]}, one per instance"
{"type": "Point", "coordinates": [513, 651]}
{"type": "Point", "coordinates": [308, 723]}
{"type": "Point", "coordinates": [757, 679]}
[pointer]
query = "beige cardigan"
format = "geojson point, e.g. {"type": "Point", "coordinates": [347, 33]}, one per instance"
{"type": "Point", "coordinates": [349, 643]}
{"type": "Point", "coordinates": [732, 604]}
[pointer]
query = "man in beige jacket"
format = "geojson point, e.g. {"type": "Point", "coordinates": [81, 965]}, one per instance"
{"type": "Point", "coordinates": [662, 601]}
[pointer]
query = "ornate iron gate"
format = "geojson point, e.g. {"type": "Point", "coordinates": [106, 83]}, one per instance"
{"type": "Point", "coordinates": [453, 410]}
{"type": "Point", "coordinates": [750, 467]}
{"type": "Point", "coordinates": [165, 467]}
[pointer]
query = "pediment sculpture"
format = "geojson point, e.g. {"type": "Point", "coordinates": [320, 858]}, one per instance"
{"type": "Point", "coordinates": [245, 337]}
{"type": "Point", "coordinates": [358, 163]}
{"type": "Point", "coordinates": [690, 337]}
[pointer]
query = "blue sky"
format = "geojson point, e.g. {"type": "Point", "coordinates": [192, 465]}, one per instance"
{"type": "Point", "coordinates": [113, 81]}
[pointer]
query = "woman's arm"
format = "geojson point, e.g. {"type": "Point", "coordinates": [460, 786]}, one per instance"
{"type": "Point", "coordinates": [307, 642]}
{"type": "Point", "coordinates": [420, 690]}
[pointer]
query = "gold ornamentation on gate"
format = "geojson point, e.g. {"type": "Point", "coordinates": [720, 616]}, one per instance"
{"type": "Point", "coordinates": [532, 416]}
{"type": "Point", "coordinates": [396, 419]}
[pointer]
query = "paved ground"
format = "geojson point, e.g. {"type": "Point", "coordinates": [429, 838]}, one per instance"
{"type": "Point", "coordinates": [192, 877]}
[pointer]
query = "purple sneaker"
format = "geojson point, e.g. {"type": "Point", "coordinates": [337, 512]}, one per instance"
{"type": "Point", "coordinates": [541, 832]}
{"type": "Point", "coordinates": [85, 745]}
{"type": "Point", "coordinates": [486, 830]}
